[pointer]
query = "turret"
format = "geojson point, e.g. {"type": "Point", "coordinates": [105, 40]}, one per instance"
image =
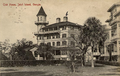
{"type": "Point", "coordinates": [41, 19]}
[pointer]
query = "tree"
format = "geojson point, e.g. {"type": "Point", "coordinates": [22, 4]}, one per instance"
{"type": "Point", "coordinates": [45, 51]}
{"type": "Point", "coordinates": [83, 43]}
{"type": "Point", "coordinates": [95, 32]}
{"type": "Point", "coordinates": [5, 47]}
{"type": "Point", "coordinates": [110, 48]}
{"type": "Point", "coordinates": [21, 50]}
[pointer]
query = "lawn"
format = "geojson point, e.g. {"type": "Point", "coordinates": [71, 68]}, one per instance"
{"type": "Point", "coordinates": [60, 70]}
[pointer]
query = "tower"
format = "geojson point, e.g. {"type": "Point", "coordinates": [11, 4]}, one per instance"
{"type": "Point", "coordinates": [41, 22]}
{"type": "Point", "coordinates": [41, 19]}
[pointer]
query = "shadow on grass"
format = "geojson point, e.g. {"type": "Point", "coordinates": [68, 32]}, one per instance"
{"type": "Point", "coordinates": [96, 65]}
{"type": "Point", "coordinates": [109, 74]}
{"type": "Point", "coordinates": [115, 70]}
{"type": "Point", "coordinates": [9, 70]}
{"type": "Point", "coordinates": [36, 73]}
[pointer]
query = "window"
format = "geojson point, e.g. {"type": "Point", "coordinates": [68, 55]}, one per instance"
{"type": "Point", "coordinates": [53, 36]}
{"type": "Point", "coordinates": [72, 35]}
{"type": "Point", "coordinates": [58, 43]}
{"type": "Point", "coordinates": [72, 43]}
{"type": "Point", "coordinates": [49, 43]}
{"type": "Point", "coordinates": [40, 18]}
{"type": "Point", "coordinates": [72, 28]}
{"type": "Point", "coordinates": [48, 37]}
{"type": "Point", "coordinates": [57, 52]}
{"type": "Point", "coordinates": [55, 28]}
{"type": "Point", "coordinates": [114, 30]}
{"type": "Point", "coordinates": [51, 29]}
{"type": "Point", "coordinates": [64, 52]}
{"type": "Point", "coordinates": [41, 43]}
{"type": "Point", "coordinates": [63, 35]}
{"type": "Point", "coordinates": [64, 28]}
{"type": "Point", "coordinates": [53, 43]}
{"type": "Point", "coordinates": [95, 50]}
{"type": "Point", "coordinates": [46, 29]}
{"type": "Point", "coordinates": [40, 37]}
{"type": "Point", "coordinates": [64, 43]}
{"type": "Point", "coordinates": [58, 36]}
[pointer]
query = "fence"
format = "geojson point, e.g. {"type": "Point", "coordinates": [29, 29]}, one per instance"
{"type": "Point", "coordinates": [12, 63]}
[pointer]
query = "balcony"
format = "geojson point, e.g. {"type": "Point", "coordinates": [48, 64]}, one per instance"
{"type": "Point", "coordinates": [107, 41]}
{"type": "Point", "coordinates": [96, 53]}
{"type": "Point", "coordinates": [115, 37]}
{"type": "Point", "coordinates": [41, 22]}
{"type": "Point", "coordinates": [117, 13]}
{"type": "Point", "coordinates": [114, 21]}
{"type": "Point", "coordinates": [47, 32]}
{"type": "Point", "coordinates": [115, 53]}
{"type": "Point", "coordinates": [59, 56]}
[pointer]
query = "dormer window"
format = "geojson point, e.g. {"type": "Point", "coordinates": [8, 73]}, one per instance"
{"type": "Point", "coordinates": [40, 18]}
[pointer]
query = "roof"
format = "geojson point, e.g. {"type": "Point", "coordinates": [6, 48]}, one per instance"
{"type": "Point", "coordinates": [108, 20]}
{"type": "Point", "coordinates": [67, 23]}
{"type": "Point", "coordinates": [113, 6]}
{"type": "Point", "coordinates": [41, 12]}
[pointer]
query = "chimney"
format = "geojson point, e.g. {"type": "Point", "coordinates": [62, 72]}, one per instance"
{"type": "Point", "coordinates": [57, 20]}
{"type": "Point", "coordinates": [65, 18]}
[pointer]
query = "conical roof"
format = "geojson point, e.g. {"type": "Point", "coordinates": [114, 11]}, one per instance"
{"type": "Point", "coordinates": [41, 12]}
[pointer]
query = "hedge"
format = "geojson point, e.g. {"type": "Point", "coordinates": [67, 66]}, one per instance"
{"type": "Point", "coordinates": [114, 63]}
{"type": "Point", "coordinates": [13, 63]}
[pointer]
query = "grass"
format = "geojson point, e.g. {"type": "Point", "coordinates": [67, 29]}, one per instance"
{"type": "Point", "coordinates": [98, 70]}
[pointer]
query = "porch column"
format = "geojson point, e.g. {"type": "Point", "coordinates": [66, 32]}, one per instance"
{"type": "Point", "coordinates": [38, 57]}
{"type": "Point", "coordinates": [105, 52]}
{"type": "Point", "coordinates": [60, 54]}
{"type": "Point", "coordinates": [118, 50]}
{"type": "Point", "coordinates": [33, 52]}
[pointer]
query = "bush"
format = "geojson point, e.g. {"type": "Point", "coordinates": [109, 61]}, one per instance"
{"type": "Point", "coordinates": [13, 63]}
{"type": "Point", "coordinates": [114, 63]}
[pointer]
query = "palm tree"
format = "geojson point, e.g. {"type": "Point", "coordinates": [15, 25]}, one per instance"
{"type": "Point", "coordinates": [95, 32]}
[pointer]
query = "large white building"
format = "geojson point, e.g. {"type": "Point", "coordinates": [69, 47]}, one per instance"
{"type": "Point", "coordinates": [58, 35]}
{"type": "Point", "coordinates": [112, 43]}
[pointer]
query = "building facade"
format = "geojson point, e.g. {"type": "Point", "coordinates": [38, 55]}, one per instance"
{"type": "Point", "coordinates": [112, 44]}
{"type": "Point", "coordinates": [58, 35]}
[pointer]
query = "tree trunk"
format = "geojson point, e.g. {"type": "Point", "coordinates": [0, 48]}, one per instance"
{"type": "Point", "coordinates": [11, 57]}
{"type": "Point", "coordinates": [73, 67]}
{"type": "Point", "coordinates": [44, 56]}
{"type": "Point", "coordinates": [110, 56]}
{"type": "Point", "coordinates": [83, 60]}
{"type": "Point", "coordinates": [92, 61]}
{"type": "Point", "coordinates": [82, 64]}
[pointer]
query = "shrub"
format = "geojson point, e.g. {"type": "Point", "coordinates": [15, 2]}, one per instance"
{"type": "Point", "coordinates": [114, 63]}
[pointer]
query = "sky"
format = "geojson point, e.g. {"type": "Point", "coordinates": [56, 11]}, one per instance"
{"type": "Point", "coordinates": [17, 22]}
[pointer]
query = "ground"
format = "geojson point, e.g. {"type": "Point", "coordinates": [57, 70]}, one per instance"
{"type": "Point", "coordinates": [60, 70]}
